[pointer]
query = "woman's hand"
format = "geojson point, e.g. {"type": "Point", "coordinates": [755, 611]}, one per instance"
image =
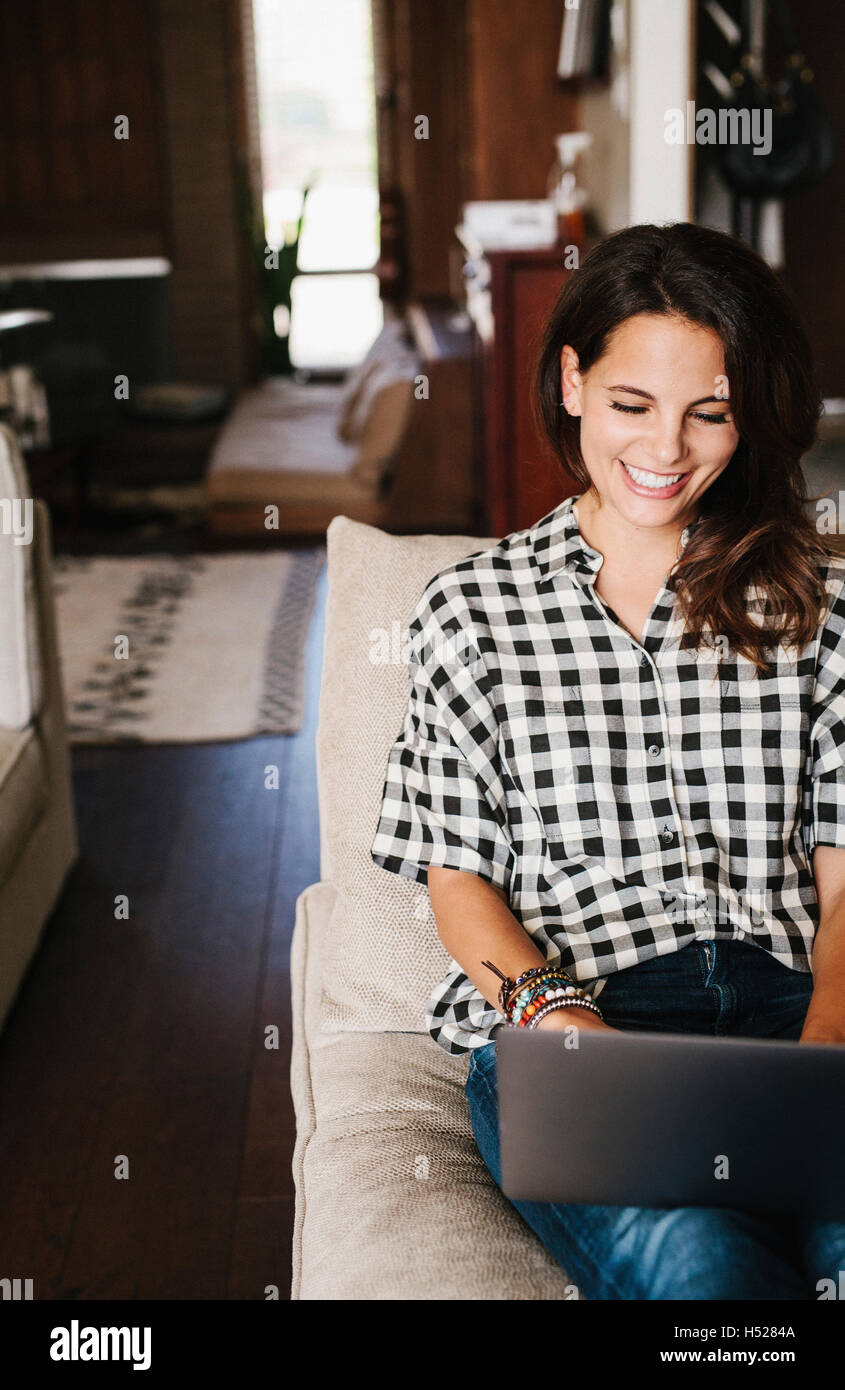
{"type": "Point", "coordinates": [820, 1031]}
{"type": "Point", "coordinates": [572, 1016]}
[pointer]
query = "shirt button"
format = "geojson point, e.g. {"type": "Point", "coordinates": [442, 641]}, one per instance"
{"type": "Point", "coordinates": [643, 660]}
{"type": "Point", "coordinates": [667, 835]}
{"type": "Point", "coordinates": [654, 750]}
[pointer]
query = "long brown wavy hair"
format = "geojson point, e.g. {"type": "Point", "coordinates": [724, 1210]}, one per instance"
{"type": "Point", "coordinates": [754, 529]}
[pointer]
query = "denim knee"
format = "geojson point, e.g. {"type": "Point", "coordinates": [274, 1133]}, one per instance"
{"type": "Point", "coordinates": [701, 1253]}
{"type": "Point", "coordinates": [480, 1090]}
{"type": "Point", "coordinates": [823, 1253]}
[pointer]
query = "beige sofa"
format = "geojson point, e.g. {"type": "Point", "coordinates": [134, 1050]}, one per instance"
{"type": "Point", "coordinates": [303, 448]}
{"type": "Point", "coordinates": [391, 446]}
{"type": "Point", "coordinates": [37, 828]}
{"type": "Point", "coordinates": [393, 1200]}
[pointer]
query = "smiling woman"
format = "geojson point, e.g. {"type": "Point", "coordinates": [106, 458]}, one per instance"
{"type": "Point", "coordinates": [658, 322]}
{"type": "Point", "coordinates": [653, 442]}
{"type": "Point", "coordinates": [629, 807]}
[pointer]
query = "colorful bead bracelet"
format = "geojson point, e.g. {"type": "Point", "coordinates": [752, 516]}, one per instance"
{"type": "Point", "coordinates": [564, 1004]}
{"type": "Point", "coordinates": [529, 995]}
{"type": "Point", "coordinates": [540, 988]}
{"type": "Point", "coordinates": [522, 1018]}
{"type": "Point", "coordinates": [509, 987]}
{"type": "Point", "coordinates": [537, 983]}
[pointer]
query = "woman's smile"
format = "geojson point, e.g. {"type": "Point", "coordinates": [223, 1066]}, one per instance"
{"type": "Point", "coordinates": [648, 484]}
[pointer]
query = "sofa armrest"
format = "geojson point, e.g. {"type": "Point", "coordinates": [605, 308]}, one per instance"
{"type": "Point", "coordinates": [21, 672]}
{"type": "Point", "coordinates": [313, 912]}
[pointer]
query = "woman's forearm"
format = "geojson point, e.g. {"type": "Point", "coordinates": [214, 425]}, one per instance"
{"type": "Point", "coordinates": [825, 1018]}
{"type": "Point", "coordinates": [475, 924]}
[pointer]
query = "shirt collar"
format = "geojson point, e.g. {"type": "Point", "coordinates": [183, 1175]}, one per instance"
{"type": "Point", "coordinates": [558, 544]}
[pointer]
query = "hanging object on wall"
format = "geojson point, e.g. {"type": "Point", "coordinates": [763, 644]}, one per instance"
{"type": "Point", "coordinates": [799, 144]}
{"type": "Point", "coordinates": [585, 39]}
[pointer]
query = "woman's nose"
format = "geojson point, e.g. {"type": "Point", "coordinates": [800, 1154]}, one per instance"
{"type": "Point", "coordinates": [667, 444]}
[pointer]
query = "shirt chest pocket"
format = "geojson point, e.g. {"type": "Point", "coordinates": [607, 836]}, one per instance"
{"type": "Point", "coordinates": [764, 735]}
{"type": "Point", "coordinates": [545, 750]}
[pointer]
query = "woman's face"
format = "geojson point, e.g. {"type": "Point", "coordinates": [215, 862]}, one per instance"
{"type": "Point", "coordinates": [654, 406]}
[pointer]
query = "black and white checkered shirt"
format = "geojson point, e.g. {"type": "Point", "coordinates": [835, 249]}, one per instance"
{"type": "Point", "coordinates": [628, 796]}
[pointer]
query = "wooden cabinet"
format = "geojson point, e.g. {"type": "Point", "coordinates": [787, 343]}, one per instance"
{"type": "Point", "coordinates": [510, 294]}
{"type": "Point", "coordinates": [434, 486]}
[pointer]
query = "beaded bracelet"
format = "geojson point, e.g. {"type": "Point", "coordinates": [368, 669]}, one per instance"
{"type": "Point", "coordinates": [535, 972]}
{"type": "Point", "coordinates": [563, 1004]}
{"type": "Point", "coordinates": [570, 992]}
{"type": "Point", "coordinates": [521, 995]}
{"type": "Point", "coordinates": [519, 1020]}
{"type": "Point", "coordinates": [509, 986]}
{"type": "Point", "coordinates": [538, 976]}
{"type": "Point", "coordinates": [551, 981]}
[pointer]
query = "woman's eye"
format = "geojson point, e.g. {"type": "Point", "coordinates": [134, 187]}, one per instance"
{"type": "Point", "coordinates": [704, 415]}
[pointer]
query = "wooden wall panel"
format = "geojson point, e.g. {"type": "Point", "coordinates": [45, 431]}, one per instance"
{"type": "Point", "coordinates": [518, 103]}
{"type": "Point", "coordinates": [484, 72]}
{"type": "Point", "coordinates": [67, 186]}
{"type": "Point", "coordinates": [69, 189]}
{"type": "Point", "coordinates": [814, 219]}
{"type": "Point", "coordinates": [428, 49]}
{"type": "Point", "coordinates": [205, 242]}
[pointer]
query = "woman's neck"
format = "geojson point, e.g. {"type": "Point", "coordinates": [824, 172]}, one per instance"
{"type": "Point", "coordinates": [639, 549]}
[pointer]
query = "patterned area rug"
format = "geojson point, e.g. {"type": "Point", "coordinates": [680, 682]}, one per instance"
{"type": "Point", "coordinates": [184, 648]}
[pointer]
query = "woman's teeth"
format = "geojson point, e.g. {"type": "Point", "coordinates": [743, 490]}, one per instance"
{"type": "Point", "coordinates": [654, 480]}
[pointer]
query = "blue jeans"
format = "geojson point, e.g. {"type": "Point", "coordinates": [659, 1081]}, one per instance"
{"type": "Point", "coordinates": [619, 1252]}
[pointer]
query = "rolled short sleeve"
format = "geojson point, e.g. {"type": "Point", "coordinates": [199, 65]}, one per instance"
{"type": "Point", "coordinates": [826, 822]}
{"type": "Point", "coordinates": [442, 799]}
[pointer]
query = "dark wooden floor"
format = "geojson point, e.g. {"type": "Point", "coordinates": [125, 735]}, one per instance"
{"type": "Point", "coordinates": [145, 1037]}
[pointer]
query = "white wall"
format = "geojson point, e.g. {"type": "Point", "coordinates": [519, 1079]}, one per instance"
{"type": "Point", "coordinates": [631, 174]}
{"type": "Point", "coordinates": [661, 78]}
{"type": "Point", "coordinates": [605, 112]}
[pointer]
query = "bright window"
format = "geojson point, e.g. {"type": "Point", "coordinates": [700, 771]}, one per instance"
{"type": "Point", "coordinates": [317, 116]}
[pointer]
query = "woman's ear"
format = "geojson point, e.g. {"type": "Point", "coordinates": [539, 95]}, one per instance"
{"type": "Point", "coordinates": [571, 382]}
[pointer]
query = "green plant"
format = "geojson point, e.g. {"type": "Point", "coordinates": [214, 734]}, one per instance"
{"type": "Point", "coordinates": [275, 267]}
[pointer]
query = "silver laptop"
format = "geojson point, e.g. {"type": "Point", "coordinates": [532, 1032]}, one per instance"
{"type": "Point", "coordinates": [662, 1120]}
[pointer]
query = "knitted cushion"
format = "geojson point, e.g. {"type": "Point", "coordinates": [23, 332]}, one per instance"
{"type": "Point", "coordinates": [353, 403]}
{"type": "Point", "coordinates": [389, 409]}
{"type": "Point", "coordinates": [382, 956]}
{"type": "Point", "coordinates": [400, 363]}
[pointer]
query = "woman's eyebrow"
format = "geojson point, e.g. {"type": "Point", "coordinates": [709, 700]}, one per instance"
{"type": "Point", "coordinates": [636, 391]}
